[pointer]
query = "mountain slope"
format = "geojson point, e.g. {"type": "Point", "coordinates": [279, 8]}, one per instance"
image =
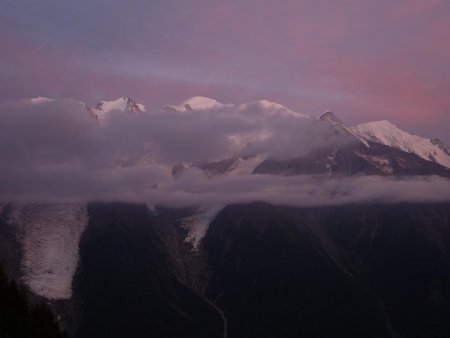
{"type": "Point", "coordinates": [348, 271]}
{"type": "Point", "coordinates": [350, 151]}
{"type": "Point", "coordinates": [386, 133]}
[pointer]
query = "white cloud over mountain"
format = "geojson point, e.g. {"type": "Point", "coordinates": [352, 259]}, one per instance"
{"type": "Point", "coordinates": [55, 150]}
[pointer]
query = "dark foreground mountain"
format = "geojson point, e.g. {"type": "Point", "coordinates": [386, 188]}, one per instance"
{"type": "Point", "coordinates": [263, 271]}
{"type": "Point", "coordinates": [354, 271]}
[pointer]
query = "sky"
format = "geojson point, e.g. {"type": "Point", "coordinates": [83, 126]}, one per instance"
{"type": "Point", "coordinates": [364, 60]}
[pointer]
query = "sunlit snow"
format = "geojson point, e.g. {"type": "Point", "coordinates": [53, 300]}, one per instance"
{"type": "Point", "coordinates": [386, 133]}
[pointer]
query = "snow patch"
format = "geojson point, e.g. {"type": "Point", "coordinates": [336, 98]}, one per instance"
{"type": "Point", "coordinates": [49, 235]}
{"type": "Point", "coordinates": [197, 225]}
{"type": "Point", "coordinates": [380, 162]}
{"type": "Point", "coordinates": [247, 166]}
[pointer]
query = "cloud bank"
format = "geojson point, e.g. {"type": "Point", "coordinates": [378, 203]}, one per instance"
{"type": "Point", "coordinates": [56, 151]}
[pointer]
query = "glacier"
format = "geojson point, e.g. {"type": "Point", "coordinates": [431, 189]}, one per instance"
{"type": "Point", "coordinates": [49, 235]}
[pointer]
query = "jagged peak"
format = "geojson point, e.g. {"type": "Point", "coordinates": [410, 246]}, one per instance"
{"type": "Point", "coordinates": [337, 125]}
{"type": "Point", "coordinates": [331, 117]}
{"type": "Point", "coordinates": [102, 109]}
{"type": "Point", "coordinates": [122, 103]}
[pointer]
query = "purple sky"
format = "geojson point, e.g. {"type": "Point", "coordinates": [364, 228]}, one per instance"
{"type": "Point", "coordinates": [365, 60]}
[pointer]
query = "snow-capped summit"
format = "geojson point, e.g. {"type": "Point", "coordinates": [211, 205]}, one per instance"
{"type": "Point", "coordinates": [386, 133]}
{"type": "Point", "coordinates": [102, 108]}
{"type": "Point", "coordinates": [330, 117]}
{"type": "Point", "coordinates": [196, 103]}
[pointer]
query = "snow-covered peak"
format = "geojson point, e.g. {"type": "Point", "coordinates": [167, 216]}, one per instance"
{"type": "Point", "coordinates": [385, 132]}
{"type": "Point", "coordinates": [103, 108]}
{"type": "Point", "coordinates": [196, 103]}
{"type": "Point", "coordinates": [330, 117]}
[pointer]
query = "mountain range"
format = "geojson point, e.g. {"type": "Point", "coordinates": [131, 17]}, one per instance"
{"type": "Point", "coordinates": [372, 148]}
{"type": "Point", "coordinates": [366, 268]}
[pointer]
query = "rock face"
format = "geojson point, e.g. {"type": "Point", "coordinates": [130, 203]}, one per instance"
{"type": "Point", "coordinates": [354, 159]}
